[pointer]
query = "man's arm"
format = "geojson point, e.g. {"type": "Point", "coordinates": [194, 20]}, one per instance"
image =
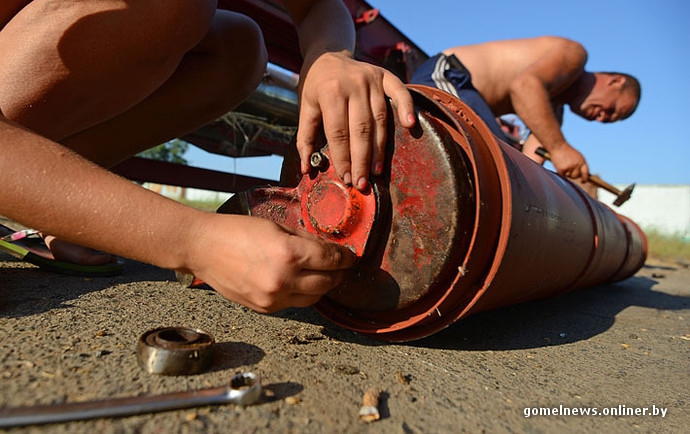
{"type": "Point", "coordinates": [532, 93]}
{"type": "Point", "coordinates": [49, 187]}
{"type": "Point", "coordinates": [346, 96]}
{"type": "Point", "coordinates": [249, 260]}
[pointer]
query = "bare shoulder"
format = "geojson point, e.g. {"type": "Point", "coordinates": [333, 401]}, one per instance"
{"type": "Point", "coordinates": [564, 53]}
{"type": "Point", "coordinates": [563, 44]}
{"type": "Point", "coordinates": [549, 40]}
{"type": "Point", "coordinates": [540, 45]}
{"type": "Point", "coordinates": [523, 47]}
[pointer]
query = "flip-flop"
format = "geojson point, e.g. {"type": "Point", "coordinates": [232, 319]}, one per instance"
{"type": "Point", "coordinates": [28, 246]}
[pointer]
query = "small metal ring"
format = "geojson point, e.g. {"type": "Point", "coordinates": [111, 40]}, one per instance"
{"type": "Point", "coordinates": [175, 351]}
{"type": "Point", "coordinates": [245, 388]}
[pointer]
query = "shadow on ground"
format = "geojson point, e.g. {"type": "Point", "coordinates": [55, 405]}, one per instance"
{"type": "Point", "coordinates": [572, 317]}
{"type": "Point", "coordinates": [576, 316]}
{"type": "Point", "coordinates": [28, 290]}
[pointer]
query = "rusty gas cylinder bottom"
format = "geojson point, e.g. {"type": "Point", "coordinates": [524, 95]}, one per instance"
{"type": "Point", "coordinates": [519, 215]}
{"type": "Point", "coordinates": [420, 245]}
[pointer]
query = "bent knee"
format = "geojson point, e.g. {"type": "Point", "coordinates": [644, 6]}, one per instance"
{"type": "Point", "coordinates": [244, 43]}
{"type": "Point", "coordinates": [181, 23]}
{"type": "Point", "coordinates": [238, 42]}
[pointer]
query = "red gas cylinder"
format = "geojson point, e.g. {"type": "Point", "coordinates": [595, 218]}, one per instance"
{"type": "Point", "coordinates": [460, 223]}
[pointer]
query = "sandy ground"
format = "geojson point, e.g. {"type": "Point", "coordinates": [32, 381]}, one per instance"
{"type": "Point", "coordinates": [68, 339]}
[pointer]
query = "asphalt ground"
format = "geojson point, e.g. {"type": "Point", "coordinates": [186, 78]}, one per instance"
{"type": "Point", "coordinates": [616, 350]}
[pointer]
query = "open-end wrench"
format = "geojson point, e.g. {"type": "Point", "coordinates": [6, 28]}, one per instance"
{"type": "Point", "coordinates": [243, 389]}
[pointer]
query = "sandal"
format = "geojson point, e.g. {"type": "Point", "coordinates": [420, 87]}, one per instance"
{"type": "Point", "coordinates": [27, 245]}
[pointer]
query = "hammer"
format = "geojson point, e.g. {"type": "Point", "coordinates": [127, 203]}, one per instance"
{"type": "Point", "coordinates": [621, 196]}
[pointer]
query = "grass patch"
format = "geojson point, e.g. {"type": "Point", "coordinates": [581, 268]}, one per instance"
{"type": "Point", "coordinates": [667, 247]}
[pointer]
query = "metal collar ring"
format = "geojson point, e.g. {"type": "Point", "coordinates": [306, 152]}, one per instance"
{"type": "Point", "coordinates": [175, 351]}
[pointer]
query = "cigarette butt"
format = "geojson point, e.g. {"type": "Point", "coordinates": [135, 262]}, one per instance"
{"type": "Point", "coordinates": [370, 403]}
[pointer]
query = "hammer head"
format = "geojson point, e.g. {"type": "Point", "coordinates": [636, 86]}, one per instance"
{"type": "Point", "coordinates": [624, 196]}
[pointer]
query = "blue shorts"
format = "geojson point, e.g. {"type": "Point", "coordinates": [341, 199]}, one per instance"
{"type": "Point", "coordinates": [448, 74]}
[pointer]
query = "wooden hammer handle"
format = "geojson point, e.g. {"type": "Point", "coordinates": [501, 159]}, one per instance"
{"type": "Point", "coordinates": [594, 179]}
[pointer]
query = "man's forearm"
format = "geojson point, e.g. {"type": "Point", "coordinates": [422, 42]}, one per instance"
{"type": "Point", "coordinates": [48, 187]}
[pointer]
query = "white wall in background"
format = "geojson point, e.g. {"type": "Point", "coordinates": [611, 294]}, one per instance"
{"type": "Point", "coordinates": [665, 208]}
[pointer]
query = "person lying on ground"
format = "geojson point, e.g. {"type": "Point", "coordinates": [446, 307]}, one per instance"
{"type": "Point", "coordinates": [87, 84]}
{"type": "Point", "coordinates": [533, 78]}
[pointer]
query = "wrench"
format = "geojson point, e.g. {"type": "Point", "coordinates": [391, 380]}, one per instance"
{"type": "Point", "coordinates": [243, 389]}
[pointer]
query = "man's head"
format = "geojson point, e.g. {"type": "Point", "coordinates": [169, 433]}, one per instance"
{"type": "Point", "coordinates": [614, 96]}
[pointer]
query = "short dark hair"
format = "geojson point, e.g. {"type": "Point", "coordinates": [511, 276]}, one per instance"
{"type": "Point", "coordinates": [631, 85]}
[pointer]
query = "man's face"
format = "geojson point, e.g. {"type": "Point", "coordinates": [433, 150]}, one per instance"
{"type": "Point", "coordinates": [606, 102]}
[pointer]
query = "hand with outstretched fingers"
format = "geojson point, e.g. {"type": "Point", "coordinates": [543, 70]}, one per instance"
{"type": "Point", "coordinates": [348, 98]}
